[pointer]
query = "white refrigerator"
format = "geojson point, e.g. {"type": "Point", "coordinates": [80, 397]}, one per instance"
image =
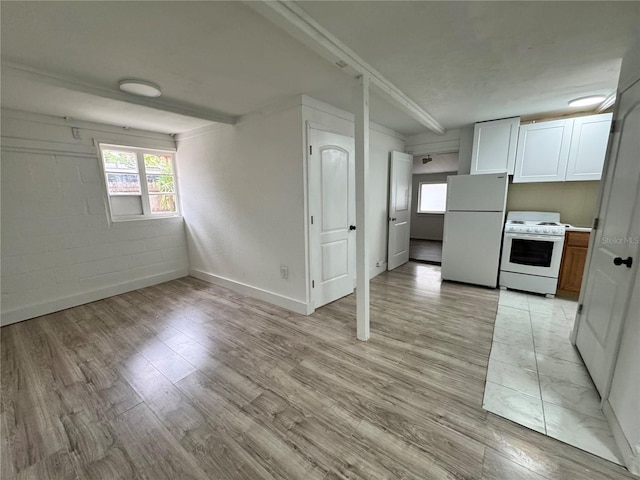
{"type": "Point", "coordinates": [473, 226]}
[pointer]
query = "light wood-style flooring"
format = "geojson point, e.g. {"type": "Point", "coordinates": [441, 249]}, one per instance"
{"type": "Point", "coordinates": [187, 380]}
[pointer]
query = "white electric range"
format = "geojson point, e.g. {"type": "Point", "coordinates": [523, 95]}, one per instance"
{"type": "Point", "coordinates": [532, 251]}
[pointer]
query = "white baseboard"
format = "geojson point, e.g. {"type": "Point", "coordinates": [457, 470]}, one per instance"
{"type": "Point", "coordinates": [50, 306]}
{"type": "Point", "coordinates": [631, 459]}
{"type": "Point", "coordinates": [292, 304]}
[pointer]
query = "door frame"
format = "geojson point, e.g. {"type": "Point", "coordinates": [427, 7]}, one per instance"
{"type": "Point", "coordinates": [308, 207]}
{"type": "Point", "coordinates": [605, 187]}
{"type": "Point", "coordinates": [629, 78]}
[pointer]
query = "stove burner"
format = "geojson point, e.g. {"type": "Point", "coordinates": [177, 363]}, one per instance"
{"type": "Point", "coordinates": [516, 222]}
{"type": "Point", "coordinates": [549, 223]}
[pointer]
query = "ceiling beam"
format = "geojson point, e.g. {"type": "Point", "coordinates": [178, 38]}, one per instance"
{"type": "Point", "coordinates": [55, 80]}
{"type": "Point", "coordinates": [287, 14]}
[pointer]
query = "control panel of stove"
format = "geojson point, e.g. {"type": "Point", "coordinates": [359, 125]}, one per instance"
{"type": "Point", "coordinates": [536, 229]}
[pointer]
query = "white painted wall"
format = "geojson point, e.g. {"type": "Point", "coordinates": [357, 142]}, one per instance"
{"type": "Point", "coordinates": [440, 163]}
{"type": "Point", "coordinates": [244, 199]}
{"type": "Point", "coordinates": [430, 142]}
{"type": "Point", "coordinates": [466, 148]}
{"type": "Point", "coordinates": [243, 202]}
{"type": "Point", "coordinates": [457, 140]}
{"type": "Point", "coordinates": [59, 248]}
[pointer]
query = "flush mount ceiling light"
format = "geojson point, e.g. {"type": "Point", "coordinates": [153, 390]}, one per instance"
{"type": "Point", "coordinates": [586, 101]}
{"type": "Point", "coordinates": [140, 88]}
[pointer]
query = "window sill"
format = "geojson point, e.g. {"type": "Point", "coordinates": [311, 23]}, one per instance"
{"type": "Point", "coordinates": [143, 219]}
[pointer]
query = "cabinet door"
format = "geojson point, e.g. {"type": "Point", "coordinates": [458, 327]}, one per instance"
{"type": "Point", "coordinates": [588, 147]}
{"type": "Point", "coordinates": [572, 269]}
{"type": "Point", "coordinates": [494, 146]}
{"type": "Point", "coordinates": [543, 151]}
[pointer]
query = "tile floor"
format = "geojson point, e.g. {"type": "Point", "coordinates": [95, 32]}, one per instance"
{"type": "Point", "coordinates": [536, 377]}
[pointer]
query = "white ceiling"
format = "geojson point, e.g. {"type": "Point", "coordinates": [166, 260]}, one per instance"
{"type": "Point", "coordinates": [472, 61]}
{"type": "Point", "coordinates": [220, 56]}
{"type": "Point", "coordinates": [33, 96]}
{"type": "Point", "coordinates": [461, 61]}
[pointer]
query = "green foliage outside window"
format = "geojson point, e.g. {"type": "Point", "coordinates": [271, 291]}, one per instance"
{"type": "Point", "coordinates": [122, 177]}
{"type": "Point", "coordinates": [115, 160]}
{"type": "Point", "coordinates": [160, 179]}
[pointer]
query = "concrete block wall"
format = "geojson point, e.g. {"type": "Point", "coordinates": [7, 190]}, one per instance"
{"type": "Point", "coordinates": [59, 247]}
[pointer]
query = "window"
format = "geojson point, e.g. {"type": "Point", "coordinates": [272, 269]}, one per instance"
{"type": "Point", "coordinates": [432, 198]}
{"type": "Point", "coordinates": [141, 183]}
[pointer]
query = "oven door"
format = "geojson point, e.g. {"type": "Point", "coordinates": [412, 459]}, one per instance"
{"type": "Point", "coordinates": [532, 254]}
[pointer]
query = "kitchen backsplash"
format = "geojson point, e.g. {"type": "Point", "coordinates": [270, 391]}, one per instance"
{"type": "Point", "coordinates": [576, 201]}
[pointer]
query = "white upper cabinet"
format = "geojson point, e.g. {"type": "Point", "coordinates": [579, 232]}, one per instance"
{"type": "Point", "coordinates": [588, 147]}
{"type": "Point", "coordinates": [562, 150]}
{"type": "Point", "coordinates": [543, 151]}
{"type": "Point", "coordinates": [494, 146]}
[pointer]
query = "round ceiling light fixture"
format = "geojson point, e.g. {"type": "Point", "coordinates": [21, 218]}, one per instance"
{"type": "Point", "coordinates": [140, 87]}
{"type": "Point", "coordinates": [586, 101]}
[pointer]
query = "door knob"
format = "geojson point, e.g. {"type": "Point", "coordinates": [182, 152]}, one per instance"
{"type": "Point", "coordinates": [352, 227]}
{"type": "Point", "coordinates": [619, 261]}
{"type": "Point", "coordinates": [393, 219]}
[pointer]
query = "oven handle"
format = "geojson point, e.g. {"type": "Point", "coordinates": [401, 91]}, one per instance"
{"type": "Point", "coordinates": [533, 236]}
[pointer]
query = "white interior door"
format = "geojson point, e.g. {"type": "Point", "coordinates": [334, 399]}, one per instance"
{"type": "Point", "coordinates": [332, 210]}
{"type": "Point", "coordinates": [608, 283]}
{"type": "Point", "coordinates": [400, 176]}
{"type": "Point", "coordinates": [625, 387]}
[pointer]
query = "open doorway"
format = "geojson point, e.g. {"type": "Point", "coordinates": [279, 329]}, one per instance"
{"type": "Point", "coordinates": [430, 172]}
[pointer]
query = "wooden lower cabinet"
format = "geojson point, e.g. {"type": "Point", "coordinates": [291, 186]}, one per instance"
{"type": "Point", "coordinates": [574, 258]}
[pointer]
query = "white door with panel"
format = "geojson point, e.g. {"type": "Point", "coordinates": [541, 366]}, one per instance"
{"type": "Point", "coordinates": [614, 255]}
{"type": "Point", "coordinates": [494, 146]}
{"type": "Point", "coordinates": [543, 151]}
{"type": "Point", "coordinates": [400, 177]}
{"type": "Point", "coordinates": [588, 147]}
{"type": "Point", "coordinates": [624, 398]}
{"type": "Point", "coordinates": [331, 170]}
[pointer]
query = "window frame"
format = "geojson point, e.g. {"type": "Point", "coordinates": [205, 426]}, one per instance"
{"type": "Point", "coordinates": [431, 212]}
{"type": "Point", "coordinates": [144, 187]}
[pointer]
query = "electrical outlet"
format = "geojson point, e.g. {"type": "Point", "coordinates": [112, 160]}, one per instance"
{"type": "Point", "coordinates": [284, 271]}
{"type": "Point", "coordinates": [75, 132]}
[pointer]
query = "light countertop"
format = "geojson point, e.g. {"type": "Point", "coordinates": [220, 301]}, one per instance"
{"type": "Point", "coordinates": [571, 228]}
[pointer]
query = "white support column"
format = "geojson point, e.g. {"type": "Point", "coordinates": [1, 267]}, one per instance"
{"type": "Point", "coordinates": [361, 107]}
